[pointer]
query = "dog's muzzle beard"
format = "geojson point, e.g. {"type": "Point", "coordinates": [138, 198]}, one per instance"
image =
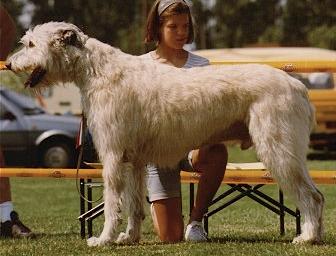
{"type": "Point", "coordinates": [34, 78]}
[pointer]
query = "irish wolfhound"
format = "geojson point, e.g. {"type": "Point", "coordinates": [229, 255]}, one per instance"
{"type": "Point", "coordinates": [142, 112]}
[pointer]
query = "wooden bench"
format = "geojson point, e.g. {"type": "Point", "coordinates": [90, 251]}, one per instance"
{"type": "Point", "coordinates": [244, 178]}
{"type": "Point", "coordinates": [247, 179]}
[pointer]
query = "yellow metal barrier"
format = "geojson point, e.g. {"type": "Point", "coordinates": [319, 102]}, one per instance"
{"type": "Point", "coordinates": [289, 66]}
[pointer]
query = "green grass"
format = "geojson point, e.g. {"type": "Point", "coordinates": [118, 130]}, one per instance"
{"type": "Point", "coordinates": [51, 207]}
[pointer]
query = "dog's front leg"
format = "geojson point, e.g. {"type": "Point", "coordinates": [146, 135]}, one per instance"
{"type": "Point", "coordinates": [112, 218]}
{"type": "Point", "coordinates": [113, 185]}
{"type": "Point", "coordinates": [133, 199]}
{"type": "Point", "coordinates": [133, 231]}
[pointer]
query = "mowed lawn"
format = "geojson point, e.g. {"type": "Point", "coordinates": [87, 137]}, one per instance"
{"type": "Point", "coordinates": [51, 206]}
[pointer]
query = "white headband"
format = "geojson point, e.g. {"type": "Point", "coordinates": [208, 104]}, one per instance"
{"type": "Point", "coordinates": [164, 4]}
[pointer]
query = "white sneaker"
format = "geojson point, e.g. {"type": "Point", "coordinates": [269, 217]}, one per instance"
{"type": "Point", "coordinates": [195, 232]}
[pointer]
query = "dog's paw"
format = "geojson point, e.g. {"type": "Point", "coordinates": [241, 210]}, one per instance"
{"type": "Point", "coordinates": [97, 241]}
{"type": "Point", "coordinates": [304, 240]}
{"type": "Point", "coordinates": [298, 240]}
{"type": "Point", "coordinates": [125, 238]}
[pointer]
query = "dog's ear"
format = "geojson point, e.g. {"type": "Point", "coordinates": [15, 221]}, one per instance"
{"type": "Point", "coordinates": [70, 37]}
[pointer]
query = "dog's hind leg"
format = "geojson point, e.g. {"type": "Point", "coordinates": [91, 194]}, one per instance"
{"type": "Point", "coordinates": [281, 141]}
{"type": "Point", "coordinates": [133, 201]}
{"type": "Point", "coordinates": [113, 187]}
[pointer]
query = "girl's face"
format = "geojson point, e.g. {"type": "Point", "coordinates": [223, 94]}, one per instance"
{"type": "Point", "coordinates": [175, 31]}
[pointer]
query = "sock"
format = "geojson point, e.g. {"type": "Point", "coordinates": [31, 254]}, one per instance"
{"type": "Point", "coordinates": [5, 209]}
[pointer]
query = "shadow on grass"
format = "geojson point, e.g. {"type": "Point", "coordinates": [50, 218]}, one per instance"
{"type": "Point", "coordinates": [76, 236]}
{"type": "Point", "coordinates": [221, 240]}
{"type": "Point", "coordinates": [240, 239]}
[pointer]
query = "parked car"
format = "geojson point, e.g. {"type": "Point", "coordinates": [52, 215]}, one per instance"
{"type": "Point", "coordinates": [29, 136]}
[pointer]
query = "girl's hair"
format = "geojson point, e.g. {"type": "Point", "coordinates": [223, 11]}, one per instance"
{"type": "Point", "coordinates": [155, 21]}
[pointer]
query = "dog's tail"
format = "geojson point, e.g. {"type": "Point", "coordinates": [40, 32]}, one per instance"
{"type": "Point", "coordinates": [312, 116]}
{"type": "Point", "coordinates": [302, 92]}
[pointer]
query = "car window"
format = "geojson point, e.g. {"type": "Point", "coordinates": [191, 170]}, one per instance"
{"type": "Point", "coordinates": [26, 104]}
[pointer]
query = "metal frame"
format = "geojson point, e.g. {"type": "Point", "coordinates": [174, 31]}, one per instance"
{"type": "Point", "coordinates": [89, 213]}
{"type": "Point", "coordinates": [276, 206]}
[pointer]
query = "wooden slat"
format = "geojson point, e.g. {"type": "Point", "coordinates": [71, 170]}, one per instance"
{"type": "Point", "coordinates": [238, 175]}
{"type": "Point", "coordinates": [50, 173]}
{"type": "Point", "coordinates": [258, 177]}
{"type": "Point", "coordinates": [234, 177]}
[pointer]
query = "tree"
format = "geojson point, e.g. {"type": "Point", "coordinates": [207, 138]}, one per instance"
{"type": "Point", "coordinates": [323, 37]}
{"type": "Point", "coordinates": [242, 22]}
{"type": "Point", "coordinates": [305, 19]}
{"type": "Point", "coordinates": [230, 23]}
{"type": "Point", "coordinates": [115, 22]}
{"type": "Point", "coordinates": [202, 16]}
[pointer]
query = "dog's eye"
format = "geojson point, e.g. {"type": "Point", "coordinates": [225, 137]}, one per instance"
{"type": "Point", "coordinates": [31, 44]}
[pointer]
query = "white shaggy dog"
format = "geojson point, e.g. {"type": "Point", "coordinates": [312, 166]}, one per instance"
{"type": "Point", "coordinates": [142, 112]}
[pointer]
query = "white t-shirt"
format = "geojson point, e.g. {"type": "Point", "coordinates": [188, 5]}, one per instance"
{"type": "Point", "coordinates": [192, 61]}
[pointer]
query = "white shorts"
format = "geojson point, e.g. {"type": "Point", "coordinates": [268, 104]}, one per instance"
{"type": "Point", "coordinates": [166, 183]}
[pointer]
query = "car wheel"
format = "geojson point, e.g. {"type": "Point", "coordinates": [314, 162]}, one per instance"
{"type": "Point", "coordinates": [56, 155]}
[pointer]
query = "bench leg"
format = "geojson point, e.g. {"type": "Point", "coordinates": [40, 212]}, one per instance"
{"type": "Point", "coordinates": [298, 222]}
{"type": "Point", "coordinates": [282, 213]}
{"type": "Point", "coordinates": [89, 205]}
{"type": "Point", "coordinates": [191, 197]}
{"type": "Point", "coordinates": [82, 207]}
{"type": "Point", "coordinates": [206, 223]}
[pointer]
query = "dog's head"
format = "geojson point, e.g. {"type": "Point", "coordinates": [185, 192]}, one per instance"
{"type": "Point", "coordinates": [49, 54]}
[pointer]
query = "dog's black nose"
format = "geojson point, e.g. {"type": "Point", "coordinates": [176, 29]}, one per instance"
{"type": "Point", "coordinates": [8, 66]}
